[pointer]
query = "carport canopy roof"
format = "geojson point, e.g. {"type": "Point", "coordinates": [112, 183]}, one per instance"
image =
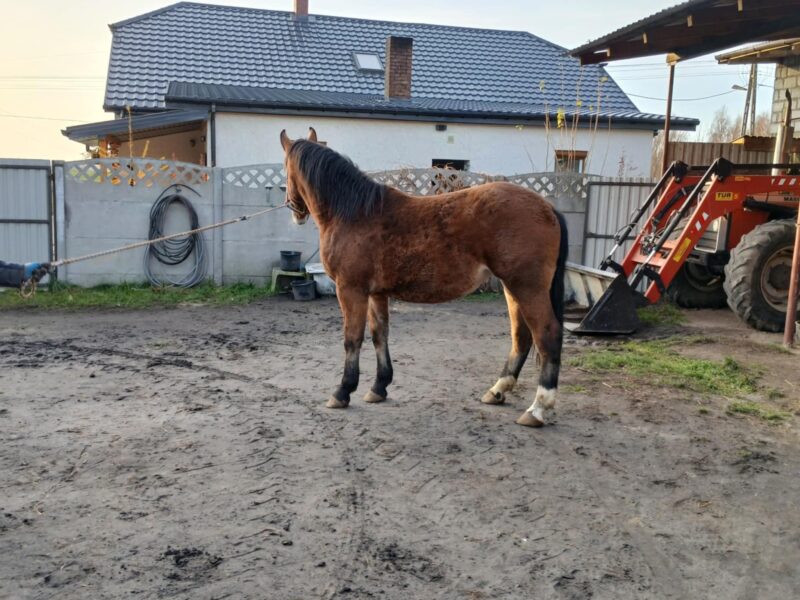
{"type": "Point", "coordinates": [696, 27]}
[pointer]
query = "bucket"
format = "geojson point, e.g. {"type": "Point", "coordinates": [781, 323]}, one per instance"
{"type": "Point", "coordinates": [304, 290]}
{"type": "Point", "coordinates": [290, 260]}
{"type": "Point", "coordinates": [325, 285]}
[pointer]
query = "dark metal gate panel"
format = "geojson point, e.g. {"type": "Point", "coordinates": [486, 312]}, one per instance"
{"type": "Point", "coordinates": [611, 203]}
{"type": "Point", "coordinates": [26, 232]}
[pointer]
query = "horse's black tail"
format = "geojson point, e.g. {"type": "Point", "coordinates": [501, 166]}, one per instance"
{"type": "Point", "coordinates": [557, 287]}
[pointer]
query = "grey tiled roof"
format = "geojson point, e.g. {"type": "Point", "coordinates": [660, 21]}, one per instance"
{"type": "Point", "coordinates": [485, 70]}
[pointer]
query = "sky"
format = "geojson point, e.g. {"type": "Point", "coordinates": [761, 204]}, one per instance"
{"type": "Point", "coordinates": [55, 55]}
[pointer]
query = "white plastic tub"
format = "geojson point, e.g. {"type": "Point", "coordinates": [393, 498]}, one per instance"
{"type": "Point", "coordinates": [325, 285]}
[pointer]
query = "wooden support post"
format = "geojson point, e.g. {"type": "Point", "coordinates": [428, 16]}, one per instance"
{"type": "Point", "coordinates": [791, 305]}
{"type": "Point", "coordinates": [782, 142]}
{"type": "Point", "coordinates": [665, 157]}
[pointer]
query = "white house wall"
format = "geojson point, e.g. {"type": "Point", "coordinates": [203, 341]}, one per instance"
{"type": "Point", "coordinates": [374, 144]}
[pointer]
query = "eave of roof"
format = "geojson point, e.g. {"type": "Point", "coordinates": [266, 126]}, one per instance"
{"type": "Point", "coordinates": [90, 132]}
{"type": "Point", "coordinates": [283, 101]}
{"type": "Point", "coordinates": [694, 28]}
{"type": "Point", "coordinates": [768, 52]}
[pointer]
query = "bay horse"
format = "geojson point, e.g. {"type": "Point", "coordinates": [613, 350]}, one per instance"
{"type": "Point", "coordinates": [378, 243]}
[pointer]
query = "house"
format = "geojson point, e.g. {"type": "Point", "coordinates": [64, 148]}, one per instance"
{"type": "Point", "coordinates": [216, 84]}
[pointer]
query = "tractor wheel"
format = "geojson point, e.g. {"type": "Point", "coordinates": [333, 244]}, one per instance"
{"type": "Point", "coordinates": [758, 273]}
{"type": "Point", "coordinates": [696, 287]}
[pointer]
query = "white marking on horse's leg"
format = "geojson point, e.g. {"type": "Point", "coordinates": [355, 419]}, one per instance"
{"type": "Point", "coordinates": [497, 393]}
{"type": "Point", "coordinates": [504, 384]}
{"type": "Point", "coordinates": [543, 403]}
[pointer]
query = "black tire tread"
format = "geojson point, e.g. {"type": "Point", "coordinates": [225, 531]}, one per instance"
{"type": "Point", "coordinates": [682, 293]}
{"type": "Point", "coordinates": [741, 267]}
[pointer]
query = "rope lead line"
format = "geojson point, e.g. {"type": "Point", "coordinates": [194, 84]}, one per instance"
{"type": "Point", "coordinates": [69, 261]}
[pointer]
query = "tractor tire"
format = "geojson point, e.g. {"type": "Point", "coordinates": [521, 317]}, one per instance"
{"type": "Point", "coordinates": [696, 287]}
{"type": "Point", "coordinates": [758, 273]}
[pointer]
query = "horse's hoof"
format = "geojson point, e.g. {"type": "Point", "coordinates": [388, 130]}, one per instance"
{"type": "Point", "coordinates": [373, 398]}
{"type": "Point", "coordinates": [528, 420]}
{"type": "Point", "coordinates": [491, 397]}
{"type": "Point", "coordinates": [334, 402]}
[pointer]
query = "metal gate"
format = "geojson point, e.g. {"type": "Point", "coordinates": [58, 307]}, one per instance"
{"type": "Point", "coordinates": [610, 205]}
{"type": "Point", "coordinates": [26, 211]}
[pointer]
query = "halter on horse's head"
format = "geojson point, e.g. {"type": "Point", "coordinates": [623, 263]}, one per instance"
{"type": "Point", "coordinates": [294, 198]}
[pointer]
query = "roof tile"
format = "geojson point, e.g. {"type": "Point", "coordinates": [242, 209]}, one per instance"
{"type": "Point", "coordinates": [200, 43]}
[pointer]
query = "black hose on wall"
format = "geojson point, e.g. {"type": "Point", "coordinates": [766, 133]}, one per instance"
{"type": "Point", "coordinates": [177, 251]}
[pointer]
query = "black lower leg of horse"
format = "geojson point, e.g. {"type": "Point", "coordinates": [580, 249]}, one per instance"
{"type": "Point", "coordinates": [354, 309]}
{"type": "Point", "coordinates": [351, 372]}
{"type": "Point", "coordinates": [549, 341]}
{"type": "Point", "coordinates": [521, 342]}
{"type": "Point", "coordinates": [551, 356]}
{"type": "Point", "coordinates": [379, 328]}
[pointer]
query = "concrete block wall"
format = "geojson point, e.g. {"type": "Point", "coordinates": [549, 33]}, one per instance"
{"type": "Point", "coordinates": [787, 77]}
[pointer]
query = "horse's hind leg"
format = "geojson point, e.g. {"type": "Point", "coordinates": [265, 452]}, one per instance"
{"type": "Point", "coordinates": [354, 310]}
{"type": "Point", "coordinates": [520, 347]}
{"type": "Point", "coordinates": [378, 315]}
{"type": "Point", "coordinates": [548, 337]}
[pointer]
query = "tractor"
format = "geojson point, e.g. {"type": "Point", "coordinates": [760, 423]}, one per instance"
{"type": "Point", "coordinates": [709, 236]}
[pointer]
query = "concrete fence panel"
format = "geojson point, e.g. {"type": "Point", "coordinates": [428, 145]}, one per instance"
{"type": "Point", "coordinates": [251, 249]}
{"type": "Point", "coordinates": [107, 204]}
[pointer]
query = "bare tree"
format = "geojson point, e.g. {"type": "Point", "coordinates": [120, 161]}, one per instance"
{"type": "Point", "coordinates": [722, 128]}
{"type": "Point", "coordinates": [762, 124]}
{"type": "Point", "coordinates": [658, 149]}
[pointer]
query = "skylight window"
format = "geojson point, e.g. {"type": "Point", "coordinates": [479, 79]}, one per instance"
{"type": "Point", "coordinates": [367, 62]}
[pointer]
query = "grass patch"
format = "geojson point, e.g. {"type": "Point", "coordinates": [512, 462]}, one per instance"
{"type": "Point", "coordinates": [133, 295]}
{"type": "Point", "coordinates": [574, 388]}
{"type": "Point", "coordinates": [756, 410]}
{"type": "Point", "coordinates": [657, 362]}
{"type": "Point", "coordinates": [662, 313]}
{"type": "Point", "coordinates": [483, 297]}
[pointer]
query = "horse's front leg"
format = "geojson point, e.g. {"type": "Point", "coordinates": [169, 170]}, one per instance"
{"type": "Point", "coordinates": [379, 328]}
{"type": "Point", "coordinates": [354, 310]}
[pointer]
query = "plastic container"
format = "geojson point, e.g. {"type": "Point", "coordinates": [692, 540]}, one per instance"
{"type": "Point", "coordinates": [325, 285]}
{"type": "Point", "coordinates": [290, 260]}
{"type": "Point", "coordinates": [304, 290]}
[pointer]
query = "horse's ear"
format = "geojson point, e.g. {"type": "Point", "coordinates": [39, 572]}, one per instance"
{"type": "Point", "coordinates": [285, 141]}
{"type": "Point", "coordinates": [312, 134]}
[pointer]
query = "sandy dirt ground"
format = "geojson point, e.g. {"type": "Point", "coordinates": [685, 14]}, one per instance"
{"type": "Point", "coordinates": [186, 453]}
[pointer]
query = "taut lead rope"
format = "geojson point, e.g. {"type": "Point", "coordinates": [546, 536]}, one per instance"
{"type": "Point", "coordinates": [28, 288]}
{"type": "Point", "coordinates": [69, 261]}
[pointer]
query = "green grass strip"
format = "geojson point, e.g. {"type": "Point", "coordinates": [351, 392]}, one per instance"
{"type": "Point", "coordinates": [133, 295]}
{"type": "Point", "coordinates": [657, 362]}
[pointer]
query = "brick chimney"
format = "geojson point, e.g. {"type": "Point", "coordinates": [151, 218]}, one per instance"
{"type": "Point", "coordinates": [398, 67]}
{"type": "Point", "coordinates": [300, 9]}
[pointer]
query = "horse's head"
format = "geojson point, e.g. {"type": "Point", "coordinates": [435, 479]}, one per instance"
{"type": "Point", "coordinates": [295, 189]}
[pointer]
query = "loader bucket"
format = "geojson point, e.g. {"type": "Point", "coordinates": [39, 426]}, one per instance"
{"type": "Point", "coordinates": [599, 302]}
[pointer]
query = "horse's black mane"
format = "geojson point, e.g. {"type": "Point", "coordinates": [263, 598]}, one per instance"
{"type": "Point", "coordinates": [347, 193]}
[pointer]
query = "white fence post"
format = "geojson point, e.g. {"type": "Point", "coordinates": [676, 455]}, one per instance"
{"type": "Point", "coordinates": [217, 202]}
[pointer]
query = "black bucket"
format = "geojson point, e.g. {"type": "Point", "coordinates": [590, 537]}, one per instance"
{"type": "Point", "coordinates": [304, 290]}
{"type": "Point", "coordinates": [290, 260]}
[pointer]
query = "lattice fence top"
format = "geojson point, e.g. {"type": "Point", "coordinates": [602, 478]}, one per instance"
{"type": "Point", "coordinates": [554, 185]}
{"type": "Point", "coordinates": [255, 176]}
{"type": "Point", "coordinates": [429, 182]}
{"type": "Point", "coordinates": [136, 172]}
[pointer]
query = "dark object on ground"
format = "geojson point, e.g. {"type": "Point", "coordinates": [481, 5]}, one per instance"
{"type": "Point", "coordinates": [290, 260]}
